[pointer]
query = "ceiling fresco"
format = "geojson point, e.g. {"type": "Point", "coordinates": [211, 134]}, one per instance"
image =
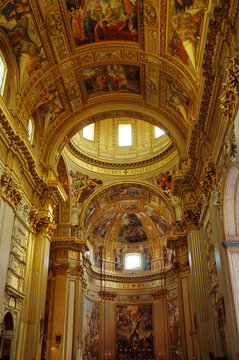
{"type": "Point", "coordinates": [185, 35]}
{"type": "Point", "coordinates": [70, 52]}
{"type": "Point", "coordinates": [94, 20]}
{"type": "Point", "coordinates": [101, 226]}
{"type": "Point", "coordinates": [79, 61]}
{"type": "Point", "coordinates": [18, 23]}
{"type": "Point", "coordinates": [131, 230]}
{"type": "Point", "coordinates": [126, 214]}
{"type": "Point", "coordinates": [49, 107]}
{"type": "Point", "coordinates": [82, 186]}
{"type": "Point", "coordinates": [127, 191]}
{"type": "Point", "coordinates": [112, 78]}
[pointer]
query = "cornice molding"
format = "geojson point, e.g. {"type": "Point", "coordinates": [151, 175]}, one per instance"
{"type": "Point", "coordinates": [115, 165]}
{"type": "Point", "coordinates": [231, 244]}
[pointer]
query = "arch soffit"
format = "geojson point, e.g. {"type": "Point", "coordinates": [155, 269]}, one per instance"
{"type": "Point", "coordinates": [58, 136]}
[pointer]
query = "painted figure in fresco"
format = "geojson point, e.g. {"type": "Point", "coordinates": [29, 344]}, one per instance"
{"type": "Point", "coordinates": [187, 25]}
{"type": "Point", "coordinates": [147, 259]}
{"type": "Point", "coordinates": [183, 4]}
{"type": "Point", "coordinates": [164, 182]}
{"type": "Point", "coordinates": [177, 98]}
{"type": "Point", "coordinates": [49, 107]}
{"type": "Point", "coordinates": [76, 16]}
{"type": "Point", "coordinates": [91, 331]}
{"type": "Point", "coordinates": [131, 230]}
{"type": "Point", "coordinates": [177, 48]}
{"type": "Point", "coordinates": [118, 259]}
{"type": "Point", "coordinates": [94, 20]}
{"type": "Point", "coordinates": [112, 78]}
{"type": "Point", "coordinates": [161, 223]}
{"type": "Point", "coordinates": [16, 20]}
{"type": "Point", "coordinates": [82, 186]}
{"type": "Point", "coordinates": [134, 330]}
{"type": "Point", "coordinates": [168, 256]}
{"type": "Point", "coordinates": [186, 19]}
{"type": "Point", "coordinates": [131, 192]}
{"type": "Point", "coordinates": [98, 255]}
{"type": "Point", "coordinates": [102, 224]}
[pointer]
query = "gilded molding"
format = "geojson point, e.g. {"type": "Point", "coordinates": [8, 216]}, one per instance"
{"type": "Point", "coordinates": [161, 294]}
{"type": "Point", "coordinates": [59, 269]}
{"type": "Point", "coordinates": [207, 181]}
{"type": "Point", "coordinates": [134, 298]}
{"type": "Point", "coordinates": [230, 93]}
{"type": "Point", "coordinates": [40, 184]}
{"type": "Point", "coordinates": [9, 191]}
{"type": "Point", "coordinates": [190, 220]}
{"type": "Point", "coordinates": [182, 267]}
{"type": "Point", "coordinates": [211, 68]}
{"type": "Point", "coordinates": [107, 296]}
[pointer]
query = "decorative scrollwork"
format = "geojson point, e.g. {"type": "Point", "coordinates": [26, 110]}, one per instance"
{"type": "Point", "coordinates": [150, 15]}
{"type": "Point", "coordinates": [230, 92]}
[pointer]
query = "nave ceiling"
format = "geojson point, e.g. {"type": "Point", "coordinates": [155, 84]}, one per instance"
{"type": "Point", "coordinates": [78, 62]}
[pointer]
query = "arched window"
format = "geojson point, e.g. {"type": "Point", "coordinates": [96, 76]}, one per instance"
{"type": "Point", "coordinates": [133, 261]}
{"type": "Point", "coordinates": [30, 130]}
{"type": "Point", "coordinates": [3, 72]}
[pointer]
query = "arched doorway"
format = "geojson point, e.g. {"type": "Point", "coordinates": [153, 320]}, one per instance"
{"type": "Point", "coordinates": [7, 336]}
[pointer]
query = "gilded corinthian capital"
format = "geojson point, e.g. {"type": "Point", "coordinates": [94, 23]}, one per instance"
{"type": "Point", "coordinates": [46, 226]}
{"type": "Point", "coordinates": [9, 191]}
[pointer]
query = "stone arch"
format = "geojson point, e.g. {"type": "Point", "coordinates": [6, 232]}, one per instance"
{"type": "Point", "coordinates": [58, 136]}
{"type": "Point", "coordinates": [230, 203]}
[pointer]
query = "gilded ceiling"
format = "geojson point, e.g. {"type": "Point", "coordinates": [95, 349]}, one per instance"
{"type": "Point", "coordinates": [77, 60]}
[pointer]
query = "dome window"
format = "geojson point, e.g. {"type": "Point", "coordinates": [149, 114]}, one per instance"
{"type": "Point", "coordinates": [125, 134]}
{"type": "Point", "coordinates": [133, 261]}
{"type": "Point", "coordinates": [89, 132]}
{"type": "Point", "coordinates": [158, 132]}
